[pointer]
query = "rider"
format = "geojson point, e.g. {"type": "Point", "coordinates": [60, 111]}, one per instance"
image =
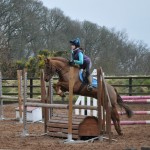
{"type": "Point", "coordinates": [81, 59]}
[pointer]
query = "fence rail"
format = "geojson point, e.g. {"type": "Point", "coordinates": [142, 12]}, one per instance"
{"type": "Point", "coordinates": [130, 85]}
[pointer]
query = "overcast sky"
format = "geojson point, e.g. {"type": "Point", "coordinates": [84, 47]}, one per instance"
{"type": "Point", "coordinates": [131, 16]}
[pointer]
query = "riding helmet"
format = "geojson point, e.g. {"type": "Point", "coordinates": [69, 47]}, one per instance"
{"type": "Point", "coordinates": [75, 42]}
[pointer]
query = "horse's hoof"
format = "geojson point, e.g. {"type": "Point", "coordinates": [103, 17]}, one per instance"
{"type": "Point", "coordinates": [63, 95]}
{"type": "Point", "coordinates": [121, 134]}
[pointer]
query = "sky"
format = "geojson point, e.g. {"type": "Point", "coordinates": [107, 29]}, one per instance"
{"type": "Point", "coordinates": [130, 16]}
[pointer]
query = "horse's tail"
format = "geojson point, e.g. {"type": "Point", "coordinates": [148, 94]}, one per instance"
{"type": "Point", "coordinates": [129, 112]}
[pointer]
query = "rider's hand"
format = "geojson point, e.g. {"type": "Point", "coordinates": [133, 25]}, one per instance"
{"type": "Point", "coordinates": [71, 63]}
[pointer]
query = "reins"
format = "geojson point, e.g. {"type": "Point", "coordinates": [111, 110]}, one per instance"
{"type": "Point", "coordinates": [57, 70]}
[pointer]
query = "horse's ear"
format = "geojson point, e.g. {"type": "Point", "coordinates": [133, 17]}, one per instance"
{"type": "Point", "coordinates": [46, 60]}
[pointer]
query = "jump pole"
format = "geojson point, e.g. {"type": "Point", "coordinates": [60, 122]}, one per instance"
{"type": "Point", "coordinates": [136, 113]}
{"type": "Point", "coordinates": [135, 97]}
{"type": "Point", "coordinates": [147, 101]}
{"type": "Point", "coordinates": [136, 122]}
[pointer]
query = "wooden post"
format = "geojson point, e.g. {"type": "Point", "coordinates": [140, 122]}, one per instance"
{"type": "Point", "coordinates": [108, 108]}
{"type": "Point", "coordinates": [71, 85]}
{"type": "Point", "coordinates": [44, 100]}
{"type": "Point", "coordinates": [25, 131]}
{"type": "Point", "coordinates": [50, 97]}
{"type": "Point", "coordinates": [19, 76]}
{"type": "Point", "coordinates": [99, 104]}
{"type": "Point", "coordinates": [130, 86]}
{"type": "Point", "coordinates": [43, 91]}
{"type": "Point", "coordinates": [1, 101]}
{"type": "Point", "coordinates": [0, 84]}
{"type": "Point", "coordinates": [103, 104]}
{"type": "Point", "coordinates": [31, 87]}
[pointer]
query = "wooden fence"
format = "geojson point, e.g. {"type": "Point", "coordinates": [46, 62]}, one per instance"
{"type": "Point", "coordinates": [130, 86]}
{"type": "Point", "coordinates": [135, 85]}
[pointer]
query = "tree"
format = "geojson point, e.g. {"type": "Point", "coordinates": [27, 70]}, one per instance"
{"type": "Point", "coordinates": [26, 27]}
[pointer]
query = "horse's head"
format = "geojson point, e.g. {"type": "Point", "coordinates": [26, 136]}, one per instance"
{"type": "Point", "coordinates": [54, 65]}
{"type": "Point", "coordinates": [49, 70]}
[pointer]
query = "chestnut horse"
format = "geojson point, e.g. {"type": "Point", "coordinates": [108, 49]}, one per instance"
{"type": "Point", "coordinates": [60, 66]}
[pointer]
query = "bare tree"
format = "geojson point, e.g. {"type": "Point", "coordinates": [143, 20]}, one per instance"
{"type": "Point", "coordinates": [26, 27]}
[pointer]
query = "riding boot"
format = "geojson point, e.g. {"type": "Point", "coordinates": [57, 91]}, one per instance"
{"type": "Point", "coordinates": [89, 87]}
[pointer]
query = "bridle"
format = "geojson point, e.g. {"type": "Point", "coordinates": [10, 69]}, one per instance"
{"type": "Point", "coordinates": [53, 68]}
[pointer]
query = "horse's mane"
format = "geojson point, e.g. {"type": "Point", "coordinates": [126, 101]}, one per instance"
{"type": "Point", "coordinates": [59, 59]}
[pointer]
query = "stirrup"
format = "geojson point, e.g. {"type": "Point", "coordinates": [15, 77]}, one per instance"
{"type": "Point", "coordinates": [89, 87]}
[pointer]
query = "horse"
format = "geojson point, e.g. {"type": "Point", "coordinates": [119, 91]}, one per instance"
{"type": "Point", "coordinates": [61, 66]}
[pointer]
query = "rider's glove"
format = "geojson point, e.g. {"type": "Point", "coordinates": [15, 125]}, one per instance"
{"type": "Point", "coordinates": [71, 63]}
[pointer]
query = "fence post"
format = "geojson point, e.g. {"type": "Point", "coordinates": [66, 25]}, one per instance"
{"type": "Point", "coordinates": [50, 95]}
{"type": "Point", "coordinates": [108, 108]}
{"type": "Point", "coordinates": [25, 130]}
{"type": "Point", "coordinates": [44, 100]}
{"type": "Point", "coordinates": [99, 102]}
{"type": "Point", "coordinates": [71, 84]}
{"type": "Point", "coordinates": [130, 86]}
{"type": "Point", "coordinates": [1, 101]}
{"type": "Point", "coordinates": [31, 88]}
{"type": "Point", "coordinates": [19, 76]}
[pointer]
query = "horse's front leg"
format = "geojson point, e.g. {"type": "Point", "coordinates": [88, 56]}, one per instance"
{"type": "Point", "coordinates": [60, 88]}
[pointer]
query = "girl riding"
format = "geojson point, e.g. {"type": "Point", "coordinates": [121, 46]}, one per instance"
{"type": "Point", "coordinates": [81, 59]}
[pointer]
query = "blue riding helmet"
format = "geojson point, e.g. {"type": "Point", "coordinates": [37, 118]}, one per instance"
{"type": "Point", "coordinates": [75, 42]}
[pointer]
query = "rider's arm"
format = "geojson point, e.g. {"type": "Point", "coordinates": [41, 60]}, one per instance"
{"type": "Point", "coordinates": [80, 61]}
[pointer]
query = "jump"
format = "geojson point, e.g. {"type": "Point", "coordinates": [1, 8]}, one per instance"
{"type": "Point", "coordinates": [60, 66]}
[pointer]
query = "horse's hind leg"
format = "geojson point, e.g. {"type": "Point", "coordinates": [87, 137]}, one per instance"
{"type": "Point", "coordinates": [116, 120]}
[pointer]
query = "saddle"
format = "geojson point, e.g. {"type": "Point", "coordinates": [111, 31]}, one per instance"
{"type": "Point", "coordinates": [84, 80]}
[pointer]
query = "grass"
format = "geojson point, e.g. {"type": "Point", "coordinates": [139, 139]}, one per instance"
{"type": "Point", "coordinates": [139, 85]}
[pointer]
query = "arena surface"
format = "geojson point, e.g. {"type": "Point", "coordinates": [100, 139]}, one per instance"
{"type": "Point", "coordinates": [134, 136]}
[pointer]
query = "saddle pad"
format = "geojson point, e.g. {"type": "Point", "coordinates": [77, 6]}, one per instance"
{"type": "Point", "coordinates": [94, 80]}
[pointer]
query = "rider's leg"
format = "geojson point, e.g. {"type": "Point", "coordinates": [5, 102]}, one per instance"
{"type": "Point", "coordinates": [90, 83]}
{"type": "Point", "coordinates": [89, 77]}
